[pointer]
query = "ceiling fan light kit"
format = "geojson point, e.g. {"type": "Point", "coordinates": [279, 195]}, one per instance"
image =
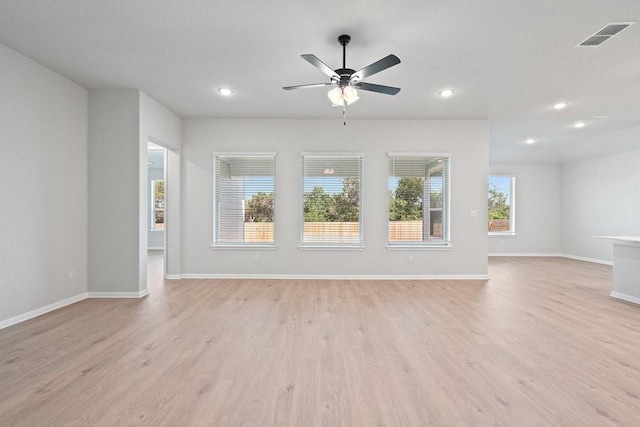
{"type": "Point", "coordinates": [347, 80]}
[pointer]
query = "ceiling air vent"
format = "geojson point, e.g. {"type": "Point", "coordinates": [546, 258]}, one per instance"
{"type": "Point", "coordinates": [605, 34]}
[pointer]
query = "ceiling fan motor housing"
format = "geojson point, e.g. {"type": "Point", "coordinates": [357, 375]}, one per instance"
{"type": "Point", "coordinates": [345, 76]}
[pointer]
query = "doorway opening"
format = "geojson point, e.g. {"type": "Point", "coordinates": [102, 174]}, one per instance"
{"type": "Point", "coordinates": [156, 196]}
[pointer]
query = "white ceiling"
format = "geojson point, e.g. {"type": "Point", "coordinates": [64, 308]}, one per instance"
{"type": "Point", "coordinates": [508, 60]}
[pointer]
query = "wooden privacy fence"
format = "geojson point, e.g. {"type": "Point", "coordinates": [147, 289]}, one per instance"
{"type": "Point", "coordinates": [399, 231]}
{"type": "Point", "coordinates": [258, 232]}
{"type": "Point", "coordinates": [498, 225]}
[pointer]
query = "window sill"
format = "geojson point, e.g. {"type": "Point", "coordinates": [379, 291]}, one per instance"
{"type": "Point", "coordinates": [244, 247]}
{"type": "Point", "coordinates": [503, 233]}
{"type": "Point", "coordinates": [330, 248]}
{"type": "Point", "coordinates": [443, 247]}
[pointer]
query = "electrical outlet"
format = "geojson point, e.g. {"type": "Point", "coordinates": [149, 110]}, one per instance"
{"type": "Point", "coordinates": [256, 258]}
{"type": "Point", "coordinates": [410, 258]}
{"type": "Point", "coordinates": [72, 274]}
{"type": "Point", "coordinates": [473, 212]}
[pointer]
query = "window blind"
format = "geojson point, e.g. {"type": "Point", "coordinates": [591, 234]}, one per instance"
{"type": "Point", "coordinates": [331, 200]}
{"type": "Point", "coordinates": [418, 199]}
{"type": "Point", "coordinates": [243, 199]}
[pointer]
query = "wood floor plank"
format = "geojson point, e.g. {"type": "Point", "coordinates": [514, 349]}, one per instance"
{"type": "Point", "coordinates": [541, 343]}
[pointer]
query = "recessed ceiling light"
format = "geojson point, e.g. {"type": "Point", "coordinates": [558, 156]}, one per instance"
{"type": "Point", "coordinates": [329, 171]}
{"type": "Point", "coordinates": [559, 105]}
{"type": "Point", "coordinates": [530, 141]}
{"type": "Point", "coordinates": [446, 93]}
{"type": "Point", "coordinates": [225, 91]}
{"type": "Point", "coordinates": [579, 125]}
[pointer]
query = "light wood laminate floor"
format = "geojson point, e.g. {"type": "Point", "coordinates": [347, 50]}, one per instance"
{"type": "Point", "coordinates": [541, 343]}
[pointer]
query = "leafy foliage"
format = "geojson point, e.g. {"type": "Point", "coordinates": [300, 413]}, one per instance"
{"type": "Point", "coordinates": [259, 208]}
{"type": "Point", "coordinates": [498, 204]}
{"type": "Point", "coordinates": [342, 207]}
{"type": "Point", "coordinates": [406, 203]}
{"type": "Point", "coordinates": [158, 202]}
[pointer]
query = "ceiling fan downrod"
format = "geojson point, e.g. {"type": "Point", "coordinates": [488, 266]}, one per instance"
{"type": "Point", "coordinates": [344, 41]}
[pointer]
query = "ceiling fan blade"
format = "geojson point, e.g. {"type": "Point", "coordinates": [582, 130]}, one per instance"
{"type": "Point", "coordinates": [376, 67]}
{"type": "Point", "coordinates": [308, 86]}
{"type": "Point", "coordinates": [387, 90]}
{"type": "Point", "coordinates": [313, 60]}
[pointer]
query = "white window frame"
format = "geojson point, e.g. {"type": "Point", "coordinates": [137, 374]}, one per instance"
{"type": "Point", "coordinates": [152, 205]}
{"type": "Point", "coordinates": [332, 245]}
{"type": "Point", "coordinates": [216, 243]}
{"type": "Point", "coordinates": [512, 205]}
{"type": "Point", "coordinates": [435, 244]}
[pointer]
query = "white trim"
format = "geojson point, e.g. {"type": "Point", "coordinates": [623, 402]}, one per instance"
{"type": "Point", "coordinates": [243, 246]}
{"type": "Point", "coordinates": [579, 258]}
{"type": "Point", "coordinates": [42, 310]}
{"type": "Point", "coordinates": [173, 276]}
{"type": "Point", "coordinates": [423, 247]}
{"type": "Point", "coordinates": [502, 233]}
{"type": "Point", "coordinates": [56, 305]}
{"type": "Point", "coordinates": [527, 254]}
{"type": "Point", "coordinates": [330, 154]}
{"type": "Point", "coordinates": [138, 294]}
{"type": "Point", "coordinates": [336, 277]}
{"type": "Point", "coordinates": [244, 153]}
{"type": "Point", "coordinates": [312, 247]}
{"type": "Point", "coordinates": [625, 297]}
{"type": "Point", "coordinates": [575, 257]}
{"type": "Point", "coordinates": [155, 248]}
{"type": "Point", "coordinates": [417, 154]}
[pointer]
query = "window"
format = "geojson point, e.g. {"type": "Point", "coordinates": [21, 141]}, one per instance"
{"type": "Point", "coordinates": [502, 202]}
{"type": "Point", "coordinates": [331, 200]}
{"type": "Point", "coordinates": [157, 205]}
{"type": "Point", "coordinates": [418, 199]}
{"type": "Point", "coordinates": [243, 199]}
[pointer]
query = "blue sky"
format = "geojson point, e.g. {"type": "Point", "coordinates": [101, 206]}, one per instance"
{"type": "Point", "coordinates": [503, 183]}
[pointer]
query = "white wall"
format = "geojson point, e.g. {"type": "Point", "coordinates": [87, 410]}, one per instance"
{"type": "Point", "coordinates": [601, 196]}
{"type": "Point", "coordinates": [121, 122]}
{"type": "Point", "coordinates": [163, 127]}
{"type": "Point", "coordinates": [538, 213]}
{"type": "Point", "coordinates": [114, 195]}
{"type": "Point", "coordinates": [467, 141]}
{"type": "Point", "coordinates": [43, 187]}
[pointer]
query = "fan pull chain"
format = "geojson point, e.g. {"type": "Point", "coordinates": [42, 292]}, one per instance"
{"type": "Point", "coordinates": [344, 112]}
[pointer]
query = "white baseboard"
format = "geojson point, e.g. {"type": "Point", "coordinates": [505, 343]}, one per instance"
{"type": "Point", "coordinates": [138, 294]}
{"type": "Point", "coordinates": [577, 258]}
{"type": "Point", "coordinates": [525, 254]}
{"type": "Point", "coordinates": [625, 297]}
{"type": "Point", "coordinates": [42, 310]}
{"type": "Point", "coordinates": [335, 277]}
{"type": "Point", "coordinates": [580, 258]}
{"type": "Point", "coordinates": [56, 305]}
{"type": "Point", "coordinates": [173, 276]}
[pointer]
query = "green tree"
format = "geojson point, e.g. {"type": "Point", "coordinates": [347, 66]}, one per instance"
{"type": "Point", "coordinates": [348, 202]}
{"type": "Point", "coordinates": [436, 200]}
{"type": "Point", "coordinates": [396, 207]}
{"type": "Point", "coordinates": [407, 203]}
{"type": "Point", "coordinates": [158, 202]}
{"type": "Point", "coordinates": [498, 204]}
{"type": "Point", "coordinates": [259, 208]}
{"type": "Point", "coordinates": [317, 205]}
{"type": "Point", "coordinates": [342, 207]}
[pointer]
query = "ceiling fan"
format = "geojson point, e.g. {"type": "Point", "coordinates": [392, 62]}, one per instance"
{"type": "Point", "coordinates": [348, 80]}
